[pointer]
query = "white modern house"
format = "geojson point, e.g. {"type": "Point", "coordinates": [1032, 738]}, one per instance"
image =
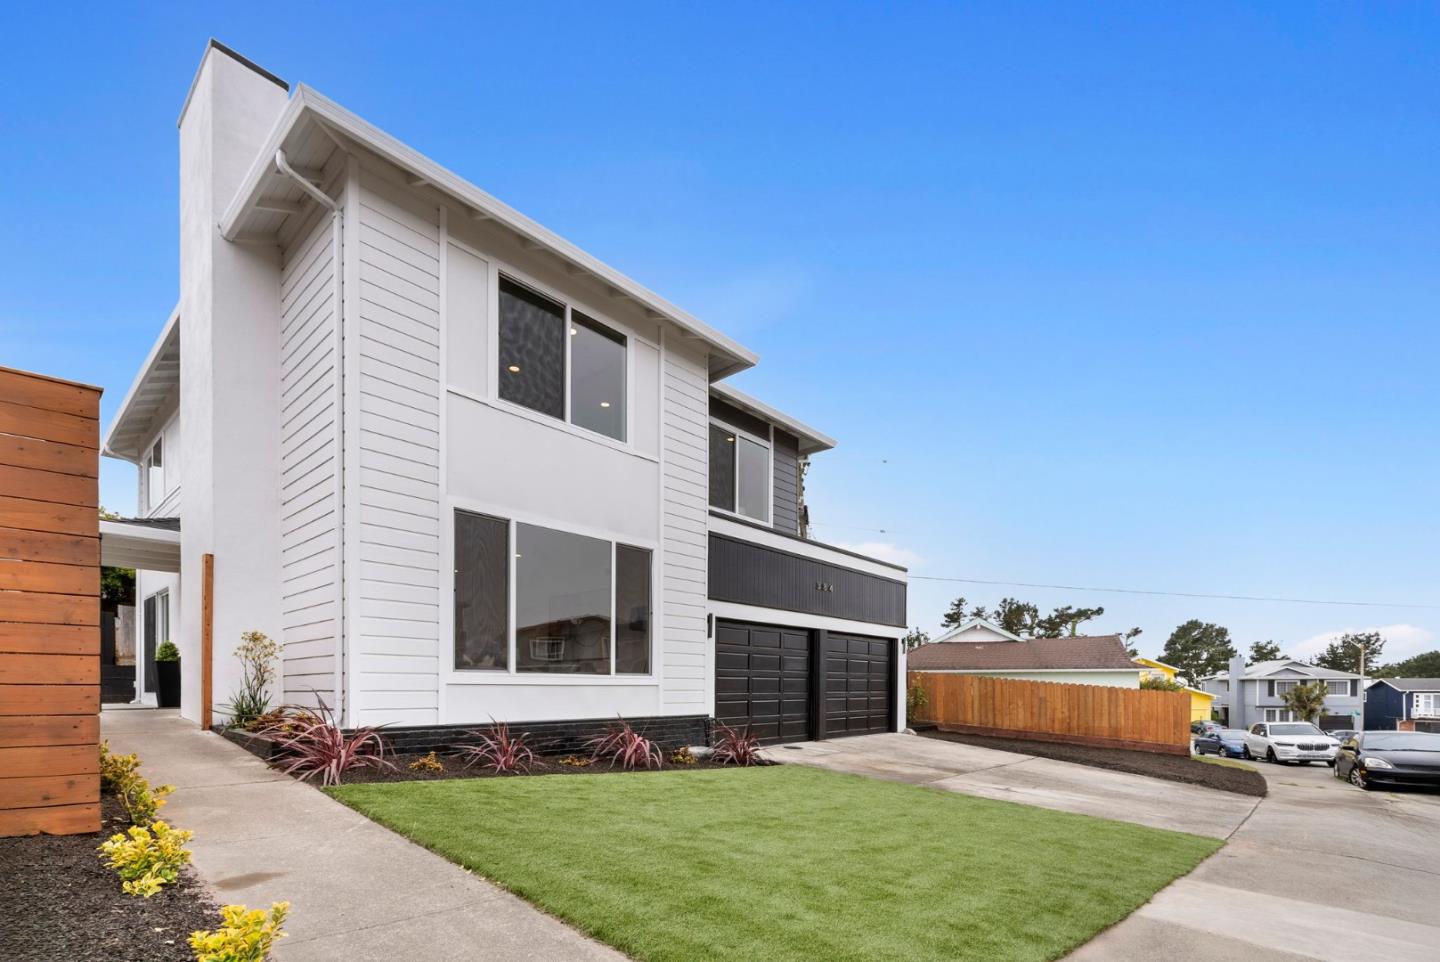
{"type": "Point", "coordinates": [981, 647]}
{"type": "Point", "coordinates": [1249, 694]}
{"type": "Point", "coordinates": [460, 468]}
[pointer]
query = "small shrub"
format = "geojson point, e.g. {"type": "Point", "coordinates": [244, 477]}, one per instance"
{"type": "Point", "coordinates": [916, 698]}
{"type": "Point", "coordinates": [734, 747]}
{"type": "Point", "coordinates": [311, 744]}
{"type": "Point", "coordinates": [498, 751]}
{"type": "Point", "coordinates": [577, 761]}
{"type": "Point", "coordinates": [167, 651]}
{"type": "Point", "coordinates": [121, 774]}
{"type": "Point", "coordinates": [257, 654]}
{"type": "Point", "coordinates": [682, 756]}
{"type": "Point", "coordinates": [428, 763]}
{"type": "Point", "coordinates": [1160, 683]}
{"type": "Point", "coordinates": [245, 935]}
{"type": "Point", "coordinates": [147, 858]}
{"type": "Point", "coordinates": [626, 747]}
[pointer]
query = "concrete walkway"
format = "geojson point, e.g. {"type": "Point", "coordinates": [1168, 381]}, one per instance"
{"type": "Point", "coordinates": [357, 891]}
{"type": "Point", "coordinates": [1014, 777]}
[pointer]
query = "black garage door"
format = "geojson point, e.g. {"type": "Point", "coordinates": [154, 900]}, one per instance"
{"type": "Point", "coordinates": [762, 679]}
{"type": "Point", "coordinates": [859, 685]}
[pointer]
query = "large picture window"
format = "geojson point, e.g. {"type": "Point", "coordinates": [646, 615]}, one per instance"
{"type": "Point", "coordinates": [581, 604]}
{"type": "Point", "coordinates": [559, 362]}
{"type": "Point", "coordinates": [740, 478]}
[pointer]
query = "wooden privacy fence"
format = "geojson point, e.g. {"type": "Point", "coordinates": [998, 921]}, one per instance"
{"type": "Point", "coordinates": [1100, 715]}
{"type": "Point", "coordinates": [49, 606]}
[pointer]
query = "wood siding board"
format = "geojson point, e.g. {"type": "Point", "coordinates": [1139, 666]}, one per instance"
{"type": "Point", "coordinates": [49, 486]}
{"type": "Point", "coordinates": [82, 819]}
{"type": "Point", "coordinates": [43, 731]}
{"type": "Point", "coordinates": [47, 577]}
{"type": "Point", "coordinates": [22, 545]}
{"type": "Point", "coordinates": [46, 394]}
{"type": "Point", "coordinates": [22, 452]}
{"type": "Point", "coordinates": [35, 422]}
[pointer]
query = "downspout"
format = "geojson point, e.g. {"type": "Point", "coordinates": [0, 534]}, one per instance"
{"type": "Point", "coordinates": [282, 164]}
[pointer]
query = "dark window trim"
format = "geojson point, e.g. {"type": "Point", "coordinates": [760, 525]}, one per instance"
{"type": "Point", "coordinates": [746, 522]}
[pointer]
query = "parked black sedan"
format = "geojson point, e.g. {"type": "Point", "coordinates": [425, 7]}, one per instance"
{"type": "Point", "coordinates": [1223, 742]}
{"type": "Point", "coordinates": [1378, 759]}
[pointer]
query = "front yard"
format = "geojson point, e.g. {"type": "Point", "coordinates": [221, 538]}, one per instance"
{"type": "Point", "coordinates": [789, 863]}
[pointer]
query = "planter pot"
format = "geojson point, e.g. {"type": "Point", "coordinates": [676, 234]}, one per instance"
{"type": "Point", "coordinates": [167, 684]}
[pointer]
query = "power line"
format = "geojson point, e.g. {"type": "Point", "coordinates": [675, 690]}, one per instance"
{"type": "Point", "coordinates": [1183, 594]}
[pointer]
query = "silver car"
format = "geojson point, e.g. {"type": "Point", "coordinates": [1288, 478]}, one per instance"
{"type": "Point", "coordinates": [1299, 742]}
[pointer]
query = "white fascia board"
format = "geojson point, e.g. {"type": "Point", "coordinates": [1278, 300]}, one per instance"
{"type": "Point", "coordinates": [805, 548]}
{"type": "Point", "coordinates": [811, 440]}
{"type": "Point", "coordinates": [140, 377]}
{"type": "Point", "coordinates": [307, 102]}
{"type": "Point", "coordinates": [985, 623]}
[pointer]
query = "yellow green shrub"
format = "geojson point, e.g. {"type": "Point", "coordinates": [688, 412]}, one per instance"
{"type": "Point", "coordinates": [245, 935]}
{"type": "Point", "coordinates": [121, 774]}
{"type": "Point", "coordinates": [428, 763]}
{"type": "Point", "coordinates": [115, 769]}
{"type": "Point", "coordinates": [147, 858]}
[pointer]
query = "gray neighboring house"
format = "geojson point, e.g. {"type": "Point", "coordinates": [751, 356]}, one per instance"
{"type": "Point", "coordinates": [1255, 693]}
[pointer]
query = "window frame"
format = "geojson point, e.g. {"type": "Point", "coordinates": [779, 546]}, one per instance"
{"type": "Point", "coordinates": [504, 273]}
{"type": "Point", "coordinates": [1346, 692]}
{"type": "Point", "coordinates": [1277, 720]}
{"type": "Point", "coordinates": [154, 499]}
{"type": "Point", "coordinates": [511, 675]}
{"type": "Point", "coordinates": [1431, 702]}
{"type": "Point", "coordinates": [769, 444]}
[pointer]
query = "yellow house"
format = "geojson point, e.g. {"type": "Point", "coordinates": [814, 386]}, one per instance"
{"type": "Point", "coordinates": [1201, 702]}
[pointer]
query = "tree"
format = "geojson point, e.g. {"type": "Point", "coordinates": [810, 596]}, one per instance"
{"type": "Point", "coordinates": [1306, 700]}
{"type": "Point", "coordinates": [1131, 635]}
{"type": "Point", "coordinates": [914, 639]}
{"type": "Point", "coordinates": [1015, 616]}
{"type": "Point", "coordinates": [961, 612]}
{"type": "Point", "coordinates": [1160, 683]}
{"type": "Point", "coordinates": [1343, 654]}
{"type": "Point", "coordinates": [1198, 648]}
{"type": "Point", "coordinates": [1426, 665]}
{"type": "Point", "coordinates": [1263, 651]}
{"type": "Point", "coordinates": [117, 585]}
{"type": "Point", "coordinates": [1065, 621]}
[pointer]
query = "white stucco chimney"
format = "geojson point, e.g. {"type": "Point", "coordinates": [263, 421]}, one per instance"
{"type": "Point", "coordinates": [229, 372]}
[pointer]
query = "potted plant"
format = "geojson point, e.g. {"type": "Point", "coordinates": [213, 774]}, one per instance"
{"type": "Point", "coordinates": [167, 675]}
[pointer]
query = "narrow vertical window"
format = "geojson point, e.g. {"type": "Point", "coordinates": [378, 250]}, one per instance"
{"type": "Point", "coordinates": [482, 592]}
{"type": "Point", "coordinates": [597, 377]}
{"type": "Point", "coordinates": [155, 476]}
{"type": "Point", "coordinates": [753, 468]}
{"type": "Point", "coordinates": [722, 468]}
{"type": "Point", "coordinates": [532, 350]}
{"type": "Point", "coordinates": [632, 610]}
{"type": "Point", "coordinates": [562, 602]}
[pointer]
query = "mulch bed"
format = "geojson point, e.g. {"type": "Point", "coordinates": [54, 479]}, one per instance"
{"type": "Point", "coordinates": [1172, 768]}
{"type": "Point", "coordinates": [58, 900]}
{"type": "Point", "coordinates": [455, 768]}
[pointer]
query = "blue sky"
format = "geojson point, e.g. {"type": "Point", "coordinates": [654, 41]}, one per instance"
{"type": "Point", "coordinates": [1142, 297]}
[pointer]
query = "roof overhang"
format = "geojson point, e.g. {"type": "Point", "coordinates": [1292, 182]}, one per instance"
{"type": "Point", "coordinates": [267, 197]}
{"type": "Point", "coordinates": [135, 421]}
{"type": "Point", "coordinates": [147, 545]}
{"type": "Point", "coordinates": [983, 623]}
{"type": "Point", "coordinates": [811, 440]}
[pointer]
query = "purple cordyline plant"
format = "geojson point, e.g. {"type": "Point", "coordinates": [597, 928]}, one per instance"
{"type": "Point", "coordinates": [498, 751]}
{"type": "Point", "coordinates": [311, 744]}
{"type": "Point", "coordinates": [624, 746]}
{"type": "Point", "coordinates": [734, 747]}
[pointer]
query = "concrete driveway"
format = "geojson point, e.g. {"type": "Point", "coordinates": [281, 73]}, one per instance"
{"type": "Point", "coordinates": [1318, 870]}
{"type": "Point", "coordinates": [1013, 777]}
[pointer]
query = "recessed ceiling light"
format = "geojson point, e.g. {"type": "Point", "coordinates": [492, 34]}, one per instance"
{"type": "Point", "coordinates": [731, 438]}
{"type": "Point", "coordinates": [604, 404]}
{"type": "Point", "coordinates": [573, 332]}
{"type": "Point", "coordinates": [514, 369]}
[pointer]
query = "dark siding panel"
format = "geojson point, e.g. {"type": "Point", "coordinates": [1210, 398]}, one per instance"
{"type": "Point", "coordinates": [752, 574]}
{"type": "Point", "coordinates": [732, 415]}
{"type": "Point", "coordinates": [786, 515]}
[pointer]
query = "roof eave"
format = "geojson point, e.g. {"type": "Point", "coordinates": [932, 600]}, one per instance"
{"type": "Point", "coordinates": [811, 440]}
{"type": "Point", "coordinates": [124, 412]}
{"type": "Point", "coordinates": [305, 103]}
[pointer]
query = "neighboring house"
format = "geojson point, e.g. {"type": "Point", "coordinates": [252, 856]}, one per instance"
{"type": "Point", "coordinates": [1256, 693]}
{"type": "Point", "coordinates": [979, 647]}
{"type": "Point", "coordinates": [1410, 704]}
{"type": "Point", "coordinates": [1202, 703]}
{"type": "Point", "coordinates": [461, 469]}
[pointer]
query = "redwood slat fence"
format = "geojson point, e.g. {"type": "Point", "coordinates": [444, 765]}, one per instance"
{"type": "Point", "coordinates": [49, 605]}
{"type": "Point", "coordinates": [1098, 715]}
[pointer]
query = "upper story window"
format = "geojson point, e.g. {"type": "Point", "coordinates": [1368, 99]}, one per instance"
{"type": "Point", "coordinates": [155, 474]}
{"type": "Point", "coordinates": [557, 361]}
{"type": "Point", "coordinates": [1340, 686]}
{"type": "Point", "coordinates": [739, 472]}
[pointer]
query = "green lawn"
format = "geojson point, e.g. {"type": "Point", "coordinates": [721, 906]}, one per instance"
{"type": "Point", "coordinates": [789, 863]}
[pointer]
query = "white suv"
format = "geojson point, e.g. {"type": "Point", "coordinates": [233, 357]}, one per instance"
{"type": "Point", "coordinates": [1290, 742]}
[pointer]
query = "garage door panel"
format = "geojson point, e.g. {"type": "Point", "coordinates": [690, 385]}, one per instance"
{"type": "Point", "coordinates": [765, 674]}
{"type": "Point", "coordinates": [858, 685]}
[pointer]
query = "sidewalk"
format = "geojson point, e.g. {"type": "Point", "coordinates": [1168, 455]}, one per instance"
{"type": "Point", "coordinates": [357, 891]}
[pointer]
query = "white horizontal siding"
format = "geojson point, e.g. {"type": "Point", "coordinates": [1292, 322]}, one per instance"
{"type": "Point", "coordinates": [309, 459]}
{"type": "Point", "coordinates": [684, 662]}
{"type": "Point", "coordinates": [395, 615]}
